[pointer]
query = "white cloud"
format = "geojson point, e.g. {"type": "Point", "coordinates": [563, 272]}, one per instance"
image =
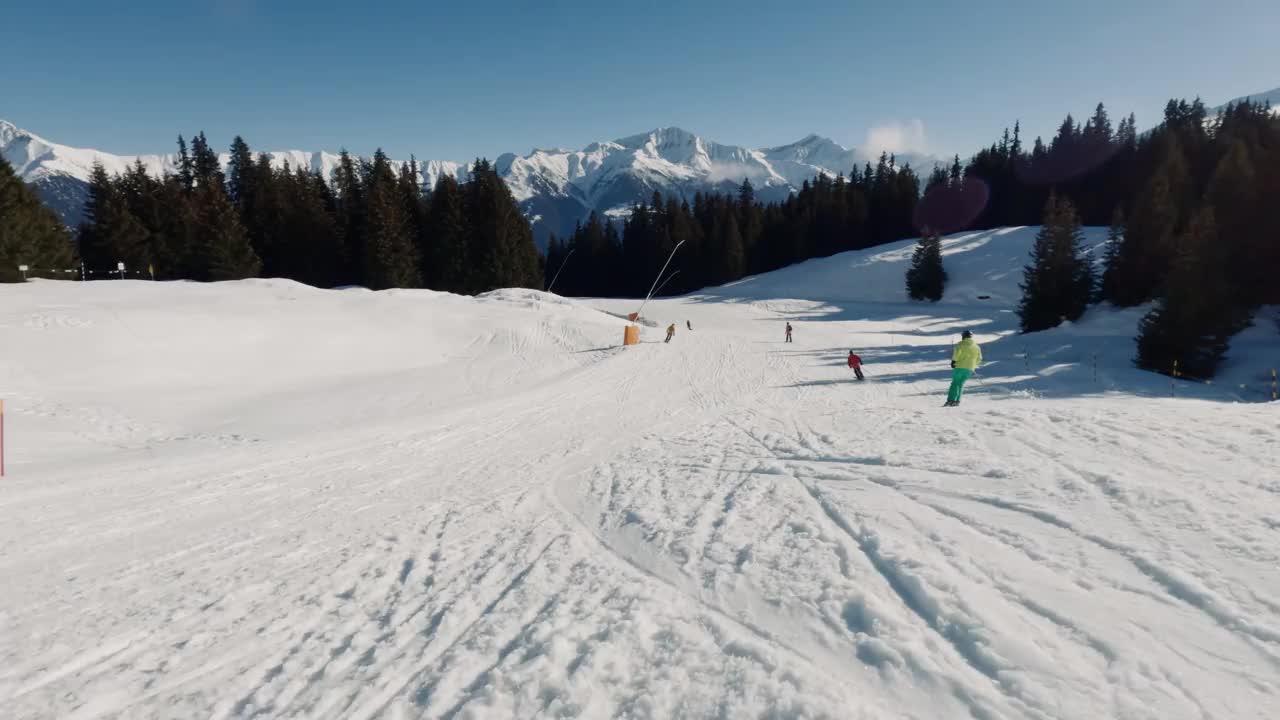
{"type": "Point", "coordinates": [896, 137]}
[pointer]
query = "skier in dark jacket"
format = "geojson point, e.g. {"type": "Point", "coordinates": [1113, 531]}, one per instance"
{"type": "Point", "coordinates": [855, 362]}
{"type": "Point", "coordinates": [788, 332]}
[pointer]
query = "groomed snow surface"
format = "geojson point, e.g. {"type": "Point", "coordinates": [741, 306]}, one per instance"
{"type": "Point", "coordinates": [260, 499]}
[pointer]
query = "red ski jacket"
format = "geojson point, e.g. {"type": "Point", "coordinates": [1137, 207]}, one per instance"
{"type": "Point", "coordinates": [854, 360]}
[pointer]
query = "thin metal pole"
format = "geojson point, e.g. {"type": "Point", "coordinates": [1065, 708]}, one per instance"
{"type": "Point", "coordinates": [655, 280]}
{"type": "Point", "coordinates": [563, 262]}
{"type": "Point", "coordinates": [664, 282]}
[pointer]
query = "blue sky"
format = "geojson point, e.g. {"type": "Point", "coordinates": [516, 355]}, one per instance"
{"type": "Point", "coordinates": [462, 79]}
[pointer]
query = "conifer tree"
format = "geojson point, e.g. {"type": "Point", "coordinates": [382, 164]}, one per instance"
{"type": "Point", "coordinates": [350, 204]}
{"type": "Point", "coordinates": [241, 169]}
{"type": "Point", "coordinates": [500, 240]}
{"type": "Point", "coordinates": [390, 258]}
{"type": "Point", "coordinates": [927, 278]}
{"type": "Point", "coordinates": [734, 254]}
{"type": "Point", "coordinates": [750, 223]}
{"type": "Point", "coordinates": [30, 233]}
{"type": "Point", "coordinates": [1195, 317]}
{"type": "Point", "coordinates": [314, 240]}
{"type": "Point", "coordinates": [447, 267]}
{"type": "Point", "coordinates": [1155, 220]}
{"type": "Point", "coordinates": [1059, 282]}
{"type": "Point", "coordinates": [1232, 192]}
{"type": "Point", "coordinates": [205, 164]}
{"type": "Point", "coordinates": [186, 169]}
{"type": "Point", "coordinates": [1108, 288]}
{"type": "Point", "coordinates": [110, 233]}
{"type": "Point", "coordinates": [221, 247]}
{"type": "Point", "coordinates": [173, 234]}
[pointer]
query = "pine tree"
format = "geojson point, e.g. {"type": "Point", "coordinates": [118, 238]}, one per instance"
{"type": "Point", "coordinates": [1148, 243]}
{"type": "Point", "coordinates": [186, 169]}
{"type": "Point", "coordinates": [313, 239]}
{"type": "Point", "coordinates": [927, 278]}
{"type": "Point", "coordinates": [350, 211]}
{"type": "Point", "coordinates": [110, 234]}
{"type": "Point", "coordinates": [173, 238]}
{"type": "Point", "coordinates": [221, 248]}
{"type": "Point", "coordinates": [734, 254]}
{"type": "Point", "coordinates": [1059, 282]}
{"type": "Point", "coordinates": [1109, 287]}
{"type": "Point", "coordinates": [1232, 192]}
{"type": "Point", "coordinates": [751, 224]}
{"type": "Point", "coordinates": [390, 258]}
{"type": "Point", "coordinates": [1195, 318]}
{"type": "Point", "coordinates": [205, 165]}
{"type": "Point", "coordinates": [30, 233]}
{"type": "Point", "coordinates": [448, 263]}
{"type": "Point", "coordinates": [241, 169]}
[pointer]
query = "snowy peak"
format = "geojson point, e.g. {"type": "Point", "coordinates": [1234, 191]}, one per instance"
{"type": "Point", "coordinates": [10, 132]}
{"type": "Point", "coordinates": [556, 187]}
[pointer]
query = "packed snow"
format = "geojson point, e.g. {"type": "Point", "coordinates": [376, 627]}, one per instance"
{"type": "Point", "coordinates": [263, 499]}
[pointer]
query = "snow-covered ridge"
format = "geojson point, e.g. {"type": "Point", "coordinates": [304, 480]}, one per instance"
{"type": "Point", "coordinates": [1270, 96]}
{"type": "Point", "coordinates": [35, 158]}
{"type": "Point", "coordinates": [556, 187]}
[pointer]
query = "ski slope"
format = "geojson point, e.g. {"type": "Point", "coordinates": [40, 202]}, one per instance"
{"type": "Point", "coordinates": [259, 499]}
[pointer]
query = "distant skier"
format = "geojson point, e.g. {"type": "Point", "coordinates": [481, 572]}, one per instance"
{"type": "Point", "coordinates": [671, 332]}
{"type": "Point", "coordinates": [855, 362]}
{"type": "Point", "coordinates": [788, 332]}
{"type": "Point", "coordinates": [688, 324]}
{"type": "Point", "coordinates": [965, 359]}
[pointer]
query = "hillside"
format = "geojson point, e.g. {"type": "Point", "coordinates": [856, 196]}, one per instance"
{"type": "Point", "coordinates": [260, 498]}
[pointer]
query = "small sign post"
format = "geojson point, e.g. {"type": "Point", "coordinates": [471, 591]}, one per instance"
{"type": "Point", "coordinates": [120, 267]}
{"type": "Point", "coordinates": [23, 270]}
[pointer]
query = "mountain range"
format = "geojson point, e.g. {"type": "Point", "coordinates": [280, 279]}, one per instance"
{"type": "Point", "coordinates": [556, 188]}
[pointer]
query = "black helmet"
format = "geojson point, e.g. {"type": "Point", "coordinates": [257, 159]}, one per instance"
{"type": "Point", "coordinates": [966, 334]}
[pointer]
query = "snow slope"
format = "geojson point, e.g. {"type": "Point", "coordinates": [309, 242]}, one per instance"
{"type": "Point", "coordinates": [1271, 96]}
{"type": "Point", "coordinates": [262, 499]}
{"type": "Point", "coordinates": [556, 188]}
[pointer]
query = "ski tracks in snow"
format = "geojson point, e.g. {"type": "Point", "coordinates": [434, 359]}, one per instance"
{"type": "Point", "coordinates": [710, 528]}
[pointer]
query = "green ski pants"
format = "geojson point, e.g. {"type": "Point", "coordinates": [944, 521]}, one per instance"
{"type": "Point", "coordinates": [958, 378]}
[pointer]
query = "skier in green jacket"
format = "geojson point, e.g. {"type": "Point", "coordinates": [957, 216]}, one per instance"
{"type": "Point", "coordinates": [964, 361]}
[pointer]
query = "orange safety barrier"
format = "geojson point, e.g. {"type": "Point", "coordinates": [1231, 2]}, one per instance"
{"type": "Point", "coordinates": [632, 335]}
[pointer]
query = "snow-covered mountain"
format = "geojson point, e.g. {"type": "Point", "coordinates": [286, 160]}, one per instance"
{"type": "Point", "coordinates": [1271, 96]}
{"type": "Point", "coordinates": [556, 188]}
{"type": "Point", "coordinates": [60, 173]}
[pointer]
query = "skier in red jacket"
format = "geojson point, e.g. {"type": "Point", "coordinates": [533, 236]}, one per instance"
{"type": "Point", "coordinates": [855, 362]}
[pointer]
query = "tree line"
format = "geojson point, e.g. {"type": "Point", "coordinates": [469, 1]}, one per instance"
{"type": "Point", "coordinates": [30, 233]}
{"type": "Point", "coordinates": [370, 224]}
{"type": "Point", "coordinates": [729, 236]}
{"type": "Point", "coordinates": [1193, 230]}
